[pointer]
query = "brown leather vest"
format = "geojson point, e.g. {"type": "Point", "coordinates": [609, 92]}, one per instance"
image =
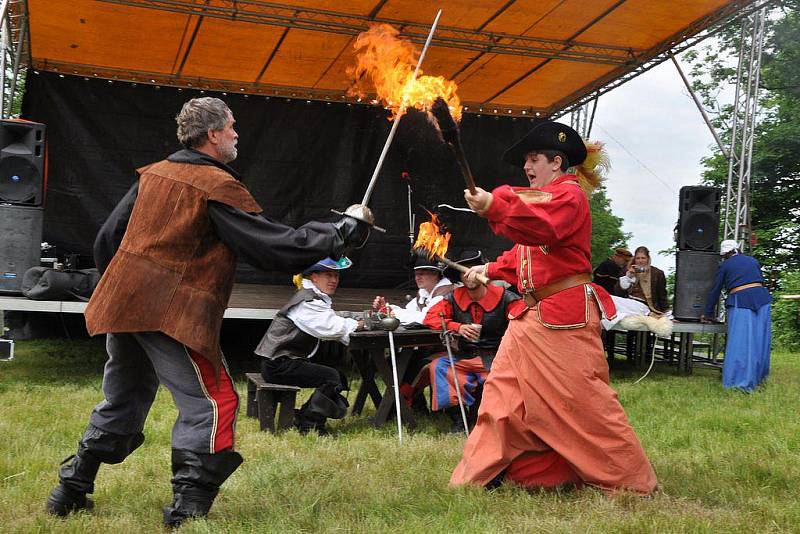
{"type": "Point", "coordinates": [171, 273]}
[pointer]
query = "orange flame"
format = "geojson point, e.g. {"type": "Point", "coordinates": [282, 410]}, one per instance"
{"type": "Point", "coordinates": [388, 62]}
{"type": "Point", "coordinates": [431, 239]}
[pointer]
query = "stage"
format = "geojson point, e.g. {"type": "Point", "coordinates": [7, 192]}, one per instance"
{"type": "Point", "coordinates": [248, 301]}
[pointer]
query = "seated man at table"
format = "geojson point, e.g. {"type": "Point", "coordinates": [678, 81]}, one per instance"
{"type": "Point", "coordinates": [293, 338]}
{"type": "Point", "coordinates": [479, 315]}
{"type": "Point", "coordinates": [433, 286]}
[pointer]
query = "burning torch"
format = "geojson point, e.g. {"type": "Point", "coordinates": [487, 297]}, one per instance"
{"type": "Point", "coordinates": [433, 242]}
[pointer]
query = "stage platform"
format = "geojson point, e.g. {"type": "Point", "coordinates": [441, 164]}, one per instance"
{"type": "Point", "coordinates": [248, 301]}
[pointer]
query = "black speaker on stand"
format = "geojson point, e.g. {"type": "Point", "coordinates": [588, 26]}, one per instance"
{"type": "Point", "coordinates": [698, 249]}
{"type": "Point", "coordinates": [22, 188]}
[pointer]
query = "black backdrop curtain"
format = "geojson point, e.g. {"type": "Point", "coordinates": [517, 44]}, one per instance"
{"type": "Point", "coordinates": [298, 158]}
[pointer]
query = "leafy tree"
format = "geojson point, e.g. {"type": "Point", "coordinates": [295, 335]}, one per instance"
{"type": "Point", "coordinates": [607, 231]}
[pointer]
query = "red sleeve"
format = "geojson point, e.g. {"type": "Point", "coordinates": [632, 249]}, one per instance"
{"type": "Point", "coordinates": [434, 322]}
{"type": "Point", "coordinates": [544, 222]}
{"type": "Point", "coordinates": [504, 267]}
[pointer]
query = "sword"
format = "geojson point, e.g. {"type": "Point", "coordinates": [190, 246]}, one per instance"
{"type": "Point", "coordinates": [361, 212]}
{"type": "Point", "coordinates": [455, 377]}
{"type": "Point", "coordinates": [394, 377]}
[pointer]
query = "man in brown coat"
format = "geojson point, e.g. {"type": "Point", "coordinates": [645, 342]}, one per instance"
{"type": "Point", "coordinates": [168, 254]}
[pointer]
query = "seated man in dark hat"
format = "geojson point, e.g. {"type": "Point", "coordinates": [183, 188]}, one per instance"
{"type": "Point", "coordinates": [293, 338]}
{"type": "Point", "coordinates": [433, 286]}
{"type": "Point", "coordinates": [479, 315]}
{"type": "Point", "coordinates": [608, 273]}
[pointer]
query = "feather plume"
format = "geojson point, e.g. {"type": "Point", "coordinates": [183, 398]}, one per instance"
{"type": "Point", "coordinates": [297, 280]}
{"type": "Point", "coordinates": [594, 168]}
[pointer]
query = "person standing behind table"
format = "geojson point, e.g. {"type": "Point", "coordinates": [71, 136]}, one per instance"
{"type": "Point", "coordinates": [548, 416]}
{"type": "Point", "coordinates": [293, 338]}
{"type": "Point", "coordinates": [432, 286]}
{"type": "Point", "coordinates": [607, 274]}
{"type": "Point", "coordinates": [749, 310]}
{"type": "Point", "coordinates": [645, 283]}
{"type": "Point", "coordinates": [168, 256]}
{"type": "Point", "coordinates": [479, 315]}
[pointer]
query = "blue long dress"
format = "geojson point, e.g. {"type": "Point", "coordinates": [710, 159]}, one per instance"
{"type": "Point", "coordinates": [747, 351]}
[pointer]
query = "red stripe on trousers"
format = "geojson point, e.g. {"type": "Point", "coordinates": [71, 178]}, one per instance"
{"type": "Point", "coordinates": [224, 395]}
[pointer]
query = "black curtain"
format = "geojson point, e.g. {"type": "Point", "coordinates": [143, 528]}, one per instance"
{"type": "Point", "coordinates": [298, 158]}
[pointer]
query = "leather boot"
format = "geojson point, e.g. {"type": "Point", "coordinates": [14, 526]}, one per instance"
{"type": "Point", "coordinates": [77, 476]}
{"type": "Point", "coordinates": [196, 478]}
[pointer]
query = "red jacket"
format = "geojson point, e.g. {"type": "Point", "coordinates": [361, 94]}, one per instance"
{"type": "Point", "coordinates": [552, 227]}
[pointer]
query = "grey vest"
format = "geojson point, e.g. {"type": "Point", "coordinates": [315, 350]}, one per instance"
{"type": "Point", "coordinates": [283, 338]}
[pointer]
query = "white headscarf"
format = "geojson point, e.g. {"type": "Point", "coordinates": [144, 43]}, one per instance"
{"type": "Point", "coordinates": [727, 246]}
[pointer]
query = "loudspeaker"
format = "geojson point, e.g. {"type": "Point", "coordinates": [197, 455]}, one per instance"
{"type": "Point", "coordinates": [22, 162]}
{"type": "Point", "coordinates": [698, 220]}
{"type": "Point", "coordinates": [20, 246]}
{"type": "Point", "coordinates": [694, 277]}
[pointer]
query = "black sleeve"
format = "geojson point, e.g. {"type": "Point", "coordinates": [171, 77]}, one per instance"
{"type": "Point", "coordinates": [113, 230]}
{"type": "Point", "coordinates": [270, 245]}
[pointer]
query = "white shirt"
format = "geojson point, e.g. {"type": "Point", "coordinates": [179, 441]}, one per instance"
{"type": "Point", "coordinates": [416, 309]}
{"type": "Point", "coordinates": [318, 319]}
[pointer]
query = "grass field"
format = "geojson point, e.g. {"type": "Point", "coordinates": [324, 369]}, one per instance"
{"type": "Point", "coordinates": [726, 462]}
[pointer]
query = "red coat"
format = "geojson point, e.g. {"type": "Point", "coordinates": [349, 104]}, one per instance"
{"type": "Point", "coordinates": [552, 227]}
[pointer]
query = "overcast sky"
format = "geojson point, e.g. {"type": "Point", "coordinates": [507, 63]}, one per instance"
{"type": "Point", "coordinates": [655, 138]}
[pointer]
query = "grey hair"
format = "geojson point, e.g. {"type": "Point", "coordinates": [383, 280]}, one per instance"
{"type": "Point", "coordinates": [199, 115]}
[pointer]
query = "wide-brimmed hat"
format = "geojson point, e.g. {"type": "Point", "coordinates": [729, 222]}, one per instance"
{"type": "Point", "coordinates": [623, 252]}
{"type": "Point", "coordinates": [422, 261]}
{"type": "Point", "coordinates": [329, 264]}
{"type": "Point", "coordinates": [548, 136]}
{"type": "Point", "coordinates": [467, 258]}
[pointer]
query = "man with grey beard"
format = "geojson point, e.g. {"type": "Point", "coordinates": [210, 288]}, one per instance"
{"type": "Point", "coordinates": [168, 255]}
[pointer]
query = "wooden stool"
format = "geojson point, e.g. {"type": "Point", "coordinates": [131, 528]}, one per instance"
{"type": "Point", "coordinates": [263, 400]}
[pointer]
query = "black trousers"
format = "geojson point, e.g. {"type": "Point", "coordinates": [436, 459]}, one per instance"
{"type": "Point", "coordinates": [302, 373]}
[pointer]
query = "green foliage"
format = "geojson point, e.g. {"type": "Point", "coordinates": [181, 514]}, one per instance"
{"type": "Point", "coordinates": [786, 314]}
{"type": "Point", "coordinates": [607, 231]}
{"type": "Point", "coordinates": [726, 462]}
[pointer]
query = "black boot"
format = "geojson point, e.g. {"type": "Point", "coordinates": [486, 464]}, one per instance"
{"type": "Point", "coordinates": [196, 478]}
{"type": "Point", "coordinates": [454, 413]}
{"type": "Point", "coordinates": [325, 402]}
{"type": "Point", "coordinates": [77, 477]}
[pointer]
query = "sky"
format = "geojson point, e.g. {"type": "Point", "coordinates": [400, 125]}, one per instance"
{"type": "Point", "coordinates": [655, 137]}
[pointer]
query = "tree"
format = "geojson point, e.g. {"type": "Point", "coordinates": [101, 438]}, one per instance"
{"type": "Point", "coordinates": [607, 231]}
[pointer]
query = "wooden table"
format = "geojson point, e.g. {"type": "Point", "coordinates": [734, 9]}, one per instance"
{"type": "Point", "coordinates": [368, 349]}
{"type": "Point", "coordinates": [685, 332]}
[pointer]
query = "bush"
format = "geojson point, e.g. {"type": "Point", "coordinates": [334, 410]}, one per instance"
{"type": "Point", "coordinates": [786, 313]}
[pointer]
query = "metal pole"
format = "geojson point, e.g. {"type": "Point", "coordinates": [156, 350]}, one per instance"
{"type": "Point", "coordinates": [17, 58]}
{"type": "Point", "coordinates": [729, 231]}
{"type": "Point", "coordinates": [396, 388]}
{"type": "Point", "coordinates": [700, 107]}
{"type": "Point", "coordinates": [4, 29]}
{"type": "Point", "coordinates": [400, 112]}
{"type": "Point", "coordinates": [455, 376]}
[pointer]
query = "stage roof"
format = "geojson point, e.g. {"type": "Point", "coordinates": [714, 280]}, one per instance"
{"type": "Point", "coordinates": [512, 57]}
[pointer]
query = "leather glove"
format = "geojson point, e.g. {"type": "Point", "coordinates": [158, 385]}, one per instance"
{"type": "Point", "coordinates": [354, 232]}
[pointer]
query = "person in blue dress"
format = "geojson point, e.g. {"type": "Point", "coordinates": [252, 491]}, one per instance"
{"type": "Point", "coordinates": [748, 309]}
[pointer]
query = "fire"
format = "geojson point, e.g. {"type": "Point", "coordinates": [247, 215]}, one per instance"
{"type": "Point", "coordinates": [388, 62]}
{"type": "Point", "coordinates": [431, 239]}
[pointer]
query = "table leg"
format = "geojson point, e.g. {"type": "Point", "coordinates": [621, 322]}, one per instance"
{"type": "Point", "coordinates": [685, 353]}
{"type": "Point", "coordinates": [368, 386]}
{"type": "Point", "coordinates": [385, 369]}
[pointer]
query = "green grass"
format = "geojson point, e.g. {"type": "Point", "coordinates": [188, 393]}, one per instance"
{"type": "Point", "coordinates": [726, 462]}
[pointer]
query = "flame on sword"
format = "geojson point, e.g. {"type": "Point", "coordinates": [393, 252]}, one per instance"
{"type": "Point", "coordinates": [385, 66]}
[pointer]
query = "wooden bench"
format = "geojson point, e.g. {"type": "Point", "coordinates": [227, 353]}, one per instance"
{"type": "Point", "coordinates": [263, 399]}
